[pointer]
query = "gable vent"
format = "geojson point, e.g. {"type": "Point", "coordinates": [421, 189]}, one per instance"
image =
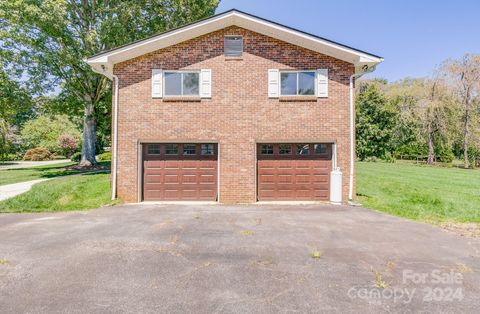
{"type": "Point", "coordinates": [233, 46]}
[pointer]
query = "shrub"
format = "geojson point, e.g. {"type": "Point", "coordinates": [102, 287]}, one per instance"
{"type": "Point", "coordinates": [472, 156]}
{"type": "Point", "coordinates": [38, 154]}
{"type": "Point", "coordinates": [105, 156]}
{"type": "Point", "coordinates": [45, 131]}
{"type": "Point", "coordinates": [68, 144]}
{"type": "Point", "coordinates": [446, 156]}
{"type": "Point", "coordinates": [388, 157]}
{"type": "Point", "coordinates": [76, 157]}
{"type": "Point", "coordinates": [371, 159]}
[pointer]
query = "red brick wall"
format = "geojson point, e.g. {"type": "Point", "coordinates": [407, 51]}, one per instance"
{"type": "Point", "coordinates": [238, 115]}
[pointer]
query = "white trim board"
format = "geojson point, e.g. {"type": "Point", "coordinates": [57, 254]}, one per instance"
{"type": "Point", "coordinates": [103, 63]}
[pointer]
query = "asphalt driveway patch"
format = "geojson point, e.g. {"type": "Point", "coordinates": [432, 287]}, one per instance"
{"type": "Point", "coordinates": [149, 258]}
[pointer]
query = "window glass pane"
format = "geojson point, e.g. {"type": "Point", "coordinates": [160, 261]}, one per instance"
{"type": "Point", "coordinates": [303, 149]}
{"type": "Point", "coordinates": [190, 83]}
{"type": "Point", "coordinates": [288, 83]}
{"type": "Point", "coordinates": [207, 149]}
{"type": "Point", "coordinates": [173, 83]}
{"type": "Point", "coordinates": [306, 83]}
{"type": "Point", "coordinates": [171, 149]}
{"type": "Point", "coordinates": [189, 149]}
{"type": "Point", "coordinates": [320, 149]}
{"type": "Point", "coordinates": [285, 149]}
{"type": "Point", "coordinates": [267, 149]}
{"type": "Point", "coordinates": [153, 149]}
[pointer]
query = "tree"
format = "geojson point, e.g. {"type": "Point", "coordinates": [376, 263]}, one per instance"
{"type": "Point", "coordinates": [374, 121]}
{"type": "Point", "coordinates": [465, 76]}
{"type": "Point", "coordinates": [50, 39]}
{"type": "Point", "coordinates": [45, 132]}
{"type": "Point", "coordinates": [431, 113]}
{"type": "Point", "coordinates": [13, 98]}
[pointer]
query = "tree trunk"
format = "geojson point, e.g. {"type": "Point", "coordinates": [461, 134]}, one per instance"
{"type": "Point", "coordinates": [466, 132]}
{"type": "Point", "coordinates": [89, 137]}
{"type": "Point", "coordinates": [431, 148]}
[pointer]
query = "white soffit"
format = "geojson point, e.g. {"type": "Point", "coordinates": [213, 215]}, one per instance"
{"type": "Point", "coordinates": [103, 62]}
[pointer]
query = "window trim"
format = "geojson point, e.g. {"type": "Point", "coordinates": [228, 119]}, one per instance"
{"type": "Point", "coordinates": [297, 72]}
{"type": "Point", "coordinates": [280, 149]}
{"type": "Point", "coordinates": [212, 150]}
{"type": "Point", "coordinates": [267, 154]}
{"type": "Point", "coordinates": [194, 149]}
{"type": "Point", "coordinates": [181, 86]}
{"type": "Point", "coordinates": [166, 150]}
{"type": "Point", "coordinates": [303, 145]}
{"type": "Point", "coordinates": [225, 44]}
{"type": "Point", "coordinates": [159, 149]}
{"type": "Point", "coordinates": [320, 154]}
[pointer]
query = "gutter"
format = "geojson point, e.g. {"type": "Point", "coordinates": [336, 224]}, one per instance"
{"type": "Point", "coordinates": [115, 140]}
{"type": "Point", "coordinates": [366, 69]}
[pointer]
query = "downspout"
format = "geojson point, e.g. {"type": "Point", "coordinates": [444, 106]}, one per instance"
{"type": "Point", "coordinates": [115, 126]}
{"type": "Point", "coordinates": [366, 69]}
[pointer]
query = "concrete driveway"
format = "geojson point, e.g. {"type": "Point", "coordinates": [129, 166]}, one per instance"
{"type": "Point", "coordinates": [233, 259]}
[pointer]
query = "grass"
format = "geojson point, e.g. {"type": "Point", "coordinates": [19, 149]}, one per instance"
{"type": "Point", "coordinates": [10, 176]}
{"type": "Point", "coordinates": [86, 191]}
{"type": "Point", "coordinates": [425, 193]}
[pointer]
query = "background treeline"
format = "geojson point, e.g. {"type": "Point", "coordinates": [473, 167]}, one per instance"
{"type": "Point", "coordinates": [433, 119]}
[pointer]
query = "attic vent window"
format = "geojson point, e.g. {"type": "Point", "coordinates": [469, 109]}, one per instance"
{"type": "Point", "coordinates": [233, 46]}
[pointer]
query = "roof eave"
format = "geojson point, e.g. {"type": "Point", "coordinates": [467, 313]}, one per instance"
{"type": "Point", "coordinates": [103, 63]}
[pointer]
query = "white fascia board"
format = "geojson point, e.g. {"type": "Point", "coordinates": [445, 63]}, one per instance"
{"type": "Point", "coordinates": [103, 63]}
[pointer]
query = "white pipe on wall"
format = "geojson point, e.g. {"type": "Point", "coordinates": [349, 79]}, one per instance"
{"type": "Point", "coordinates": [366, 69]}
{"type": "Point", "coordinates": [115, 126]}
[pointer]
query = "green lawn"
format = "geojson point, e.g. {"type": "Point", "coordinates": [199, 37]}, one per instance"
{"type": "Point", "coordinates": [86, 191]}
{"type": "Point", "coordinates": [425, 193]}
{"type": "Point", "coordinates": [26, 174]}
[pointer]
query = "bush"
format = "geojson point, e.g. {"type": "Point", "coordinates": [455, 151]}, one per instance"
{"type": "Point", "coordinates": [45, 131]}
{"type": "Point", "coordinates": [388, 158]}
{"type": "Point", "coordinates": [107, 156]}
{"type": "Point", "coordinates": [446, 156]}
{"type": "Point", "coordinates": [371, 159]}
{"type": "Point", "coordinates": [472, 156]}
{"type": "Point", "coordinates": [38, 154]}
{"type": "Point", "coordinates": [76, 157]}
{"type": "Point", "coordinates": [68, 145]}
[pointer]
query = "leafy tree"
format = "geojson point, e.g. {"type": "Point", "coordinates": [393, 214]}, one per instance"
{"type": "Point", "coordinates": [49, 39]}
{"type": "Point", "coordinates": [13, 98]}
{"type": "Point", "coordinates": [375, 121]}
{"type": "Point", "coordinates": [45, 132]}
{"type": "Point", "coordinates": [5, 142]}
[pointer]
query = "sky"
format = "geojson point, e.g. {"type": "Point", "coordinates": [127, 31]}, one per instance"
{"type": "Point", "coordinates": [412, 36]}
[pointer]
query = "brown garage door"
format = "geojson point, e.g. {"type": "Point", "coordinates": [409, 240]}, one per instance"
{"type": "Point", "coordinates": [294, 171]}
{"type": "Point", "coordinates": [179, 172]}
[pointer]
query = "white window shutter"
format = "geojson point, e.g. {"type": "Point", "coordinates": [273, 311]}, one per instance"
{"type": "Point", "coordinates": [157, 82]}
{"type": "Point", "coordinates": [273, 83]}
{"type": "Point", "coordinates": [206, 83]}
{"type": "Point", "coordinates": [322, 83]}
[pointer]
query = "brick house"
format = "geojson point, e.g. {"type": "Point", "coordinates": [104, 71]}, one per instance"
{"type": "Point", "coordinates": [234, 109]}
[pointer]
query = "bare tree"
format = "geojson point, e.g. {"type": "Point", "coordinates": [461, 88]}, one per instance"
{"type": "Point", "coordinates": [465, 78]}
{"type": "Point", "coordinates": [431, 112]}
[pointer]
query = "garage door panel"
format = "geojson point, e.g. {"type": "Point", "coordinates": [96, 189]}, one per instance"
{"type": "Point", "coordinates": [153, 179]}
{"type": "Point", "coordinates": [206, 179]}
{"type": "Point", "coordinates": [293, 177]}
{"type": "Point", "coordinates": [179, 177]}
{"type": "Point", "coordinates": [320, 178]}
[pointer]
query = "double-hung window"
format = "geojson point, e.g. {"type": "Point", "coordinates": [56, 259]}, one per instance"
{"type": "Point", "coordinates": [297, 83]}
{"type": "Point", "coordinates": [182, 83]}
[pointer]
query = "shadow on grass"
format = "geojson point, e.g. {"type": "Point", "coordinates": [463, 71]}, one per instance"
{"type": "Point", "coordinates": [52, 171]}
